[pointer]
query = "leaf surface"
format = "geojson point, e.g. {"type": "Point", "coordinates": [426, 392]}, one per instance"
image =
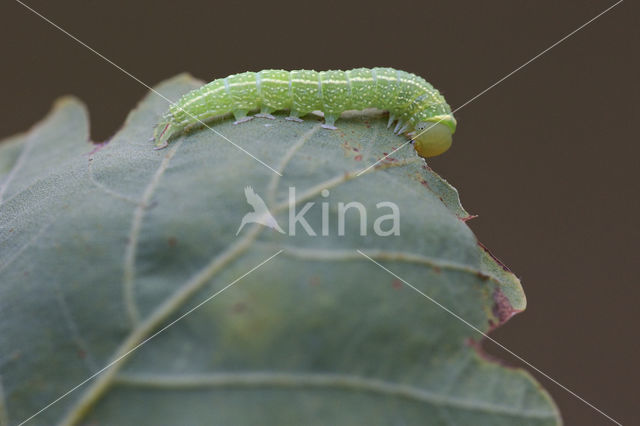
{"type": "Point", "coordinates": [103, 246]}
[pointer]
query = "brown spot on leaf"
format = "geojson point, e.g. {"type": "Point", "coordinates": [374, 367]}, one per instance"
{"type": "Point", "coordinates": [173, 241]}
{"type": "Point", "coordinates": [468, 218]}
{"type": "Point", "coordinates": [502, 308]}
{"type": "Point", "coordinates": [358, 157]}
{"type": "Point", "coordinates": [239, 308]}
{"type": "Point", "coordinates": [397, 284]}
{"type": "Point", "coordinates": [97, 147]}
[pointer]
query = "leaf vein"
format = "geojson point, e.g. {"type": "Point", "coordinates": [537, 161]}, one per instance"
{"type": "Point", "coordinates": [388, 255]}
{"type": "Point", "coordinates": [273, 184]}
{"type": "Point", "coordinates": [310, 380]}
{"type": "Point", "coordinates": [73, 328]}
{"type": "Point", "coordinates": [108, 190]}
{"type": "Point", "coordinates": [134, 234]}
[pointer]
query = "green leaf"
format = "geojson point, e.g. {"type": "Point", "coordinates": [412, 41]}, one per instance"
{"type": "Point", "coordinates": [102, 247]}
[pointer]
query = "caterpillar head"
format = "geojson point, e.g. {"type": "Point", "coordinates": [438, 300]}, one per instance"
{"type": "Point", "coordinates": [433, 137]}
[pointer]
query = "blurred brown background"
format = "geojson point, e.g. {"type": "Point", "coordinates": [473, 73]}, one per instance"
{"type": "Point", "coordinates": [548, 158]}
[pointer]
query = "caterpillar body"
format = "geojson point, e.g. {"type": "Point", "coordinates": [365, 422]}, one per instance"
{"type": "Point", "coordinates": [416, 105]}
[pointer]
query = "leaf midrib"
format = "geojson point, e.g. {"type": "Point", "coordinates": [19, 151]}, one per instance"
{"type": "Point", "coordinates": [320, 380]}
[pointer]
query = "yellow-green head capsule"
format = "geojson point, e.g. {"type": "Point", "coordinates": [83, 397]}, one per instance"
{"type": "Point", "coordinates": [417, 107]}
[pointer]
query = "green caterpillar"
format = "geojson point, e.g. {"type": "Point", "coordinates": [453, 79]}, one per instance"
{"type": "Point", "coordinates": [414, 103]}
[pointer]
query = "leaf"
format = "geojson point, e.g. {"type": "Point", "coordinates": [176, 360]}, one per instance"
{"type": "Point", "coordinates": [103, 246]}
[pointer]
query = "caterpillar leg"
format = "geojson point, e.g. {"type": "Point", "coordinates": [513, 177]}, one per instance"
{"type": "Point", "coordinates": [159, 147]}
{"type": "Point", "coordinates": [329, 120]}
{"type": "Point", "coordinates": [403, 129]}
{"type": "Point", "coordinates": [265, 112]}
{"type": "Point", "coordinates": [392, 118]}
{"type": "Point", "coordinates": [264, 115]}
{"type": "Point", "coordinates": [241, 116]}
{"type": "Point", "coordinates": [243, 120]}
{"type": "Point", "coordinates": [294, 116]}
